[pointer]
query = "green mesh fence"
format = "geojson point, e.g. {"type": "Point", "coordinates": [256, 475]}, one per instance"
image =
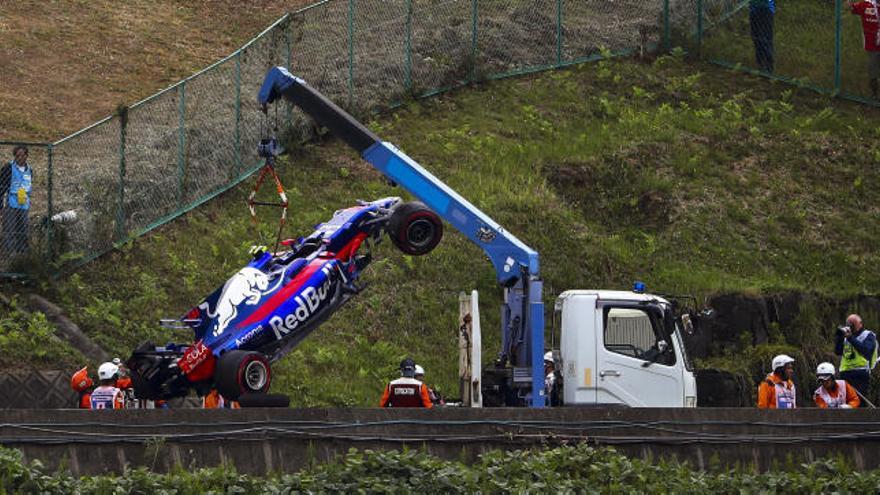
{"type": "Point", "coordinates": [815, 44]}
{"type": "Point", "coordinates": [171, 152]}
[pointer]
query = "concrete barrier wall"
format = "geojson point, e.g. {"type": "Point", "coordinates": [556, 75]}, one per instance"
{"type": "Point", "coordinates": [262, 440]}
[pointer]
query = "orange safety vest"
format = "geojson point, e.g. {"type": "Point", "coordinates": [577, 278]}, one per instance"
{"type": "Point", "coordinates": [774, 393]}
{"type": "Point", "coordinates": [216, 401]}
{"type": "Point", "coordinates": [406, 392]}
{"type": "Point", "coordinates": [844, 391]}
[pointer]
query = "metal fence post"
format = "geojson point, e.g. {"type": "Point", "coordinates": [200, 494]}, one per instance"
{"type": "Point", "coordinates": [838, 37]}
{"type": "Point", "coordinates": [181, 141]}
{"type": "Point", "coordinates": [474, 14]}
{"type": "Point", "coordinates": [120, 205]}
{"type": "Point", "coordinates": [237, 164]}
{"type": "Point", "coordinates": [350, 53]}
{"type": "Point", "coordinates": [667, 41]}
{"type": "Point", "coordinates": [699, 25]}
{"type": "Point", "coordinates": [290, 68]}
{"type": "Point", "coordinates": [49, 205]}
{"type": "Point", "coordinates": [407, 48]}
{"type": "Point", "coordinates": [558, 32]}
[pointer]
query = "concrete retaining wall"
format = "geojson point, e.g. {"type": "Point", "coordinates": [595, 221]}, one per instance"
{"type": "Point", "coordinates": [261, 440]}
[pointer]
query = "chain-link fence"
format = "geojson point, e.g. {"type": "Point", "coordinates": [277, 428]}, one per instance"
{"type": "Point", "coordinates": [830, 46]}
{"type": "Point", "coordinates": [171, 152]}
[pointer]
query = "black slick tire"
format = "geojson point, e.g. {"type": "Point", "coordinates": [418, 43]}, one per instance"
{"type": "Point", "coordinates": [414, 228]}
{"type": "Point", "coordinates": [242, 372]}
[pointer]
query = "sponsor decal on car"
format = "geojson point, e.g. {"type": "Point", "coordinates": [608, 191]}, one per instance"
{"type": "Point", "coordinates": [194, 356]}
{"type": "Point", "coordinates": [306, 304]}
{"type": "Point", "coordinates": [244, 339]}
{"type": "Point", "coordinates": [245, 287]}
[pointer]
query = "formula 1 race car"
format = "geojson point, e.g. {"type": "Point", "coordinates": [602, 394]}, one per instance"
{"type": "Point", "coordinates": [268, 307]}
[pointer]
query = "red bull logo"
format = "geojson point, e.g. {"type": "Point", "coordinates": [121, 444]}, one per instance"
{"type": "Point", "coordinates": [306, 304]}
{"type": "Point", "coordinates": [245, 287]}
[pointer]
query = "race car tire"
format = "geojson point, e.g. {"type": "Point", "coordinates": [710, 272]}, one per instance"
{"type": "Point", "coordinates": [414, 228]}
{"type": "Point", "coordinates": [264, 400]}
{"type": "Point", "coordinates": [242, 372]}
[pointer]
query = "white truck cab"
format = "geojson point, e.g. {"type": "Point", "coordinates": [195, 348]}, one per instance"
{"type": "Point", "coordinates": [621, 348]}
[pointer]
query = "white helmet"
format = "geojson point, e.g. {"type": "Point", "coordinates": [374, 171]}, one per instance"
{"type": "Point", "coordinates": [419, 370]}
{"type": "Point", "coordinates": [825, 370]}
{"type": "Point", "coordinates": [107, 371]}
{"type": "Point", "coordinates": [548, 357]}
{"type": "Point", "coordinates": [781, 360]}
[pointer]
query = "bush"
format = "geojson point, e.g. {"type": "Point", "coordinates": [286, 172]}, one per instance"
{"type": "Point", "coordinates": [580, 468]}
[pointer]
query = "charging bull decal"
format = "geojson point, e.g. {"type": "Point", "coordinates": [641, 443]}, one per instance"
{"type": "Point", "coordinates": [247, 286]}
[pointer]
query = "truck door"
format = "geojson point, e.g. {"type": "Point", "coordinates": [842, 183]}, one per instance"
{"type": "Point", "coordinates": [577, 315]}
{"type": "Point", "coordinates": [636, 365]}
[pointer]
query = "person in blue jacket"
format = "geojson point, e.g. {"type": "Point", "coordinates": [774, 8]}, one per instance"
{"type": "Point", "coordinates": [16, 183]}
{"type": "Point", "coordinates": [761, 14]}
{"type": "Point", "coordinates": [857, 348]}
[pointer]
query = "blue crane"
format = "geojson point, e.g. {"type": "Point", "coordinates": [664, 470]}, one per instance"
{"type": "Point", "coordinates": [516, 264]}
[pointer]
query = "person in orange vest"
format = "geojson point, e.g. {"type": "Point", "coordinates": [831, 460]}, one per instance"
{"type": "Point", "coordinates": [82, 384]}
{"type": "Point", "coordinates": [123, 381]}
{"type": "Point", "coordinates": [216, 401]}
{"type": "Point", "coordinates": [435, 396]}
{"type": "Point", "coordinates": [406, 391]}
{"type": "Point", "coordinates": [834, 394]}
{"type": "Point", "coordinates": [777, 391]}
{"type": "Point", "coordinates": [107, 395]}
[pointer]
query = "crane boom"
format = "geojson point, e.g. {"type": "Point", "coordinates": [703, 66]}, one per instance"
{"type": "Point", "coordinates": [516, 264]}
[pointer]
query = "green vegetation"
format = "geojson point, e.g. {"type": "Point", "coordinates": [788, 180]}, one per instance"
{"type": "Point", "coordinates": [669, 172]}
{"type": "Point", "coordinates": [29, 341]}
{"type": "Point", "coordinates": [580, 469]}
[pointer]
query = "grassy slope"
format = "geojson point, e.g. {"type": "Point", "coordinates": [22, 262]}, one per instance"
{"type": "Point", "coordinates": [683, 175]}
{"type": "Point", "coordinates": [73, 62]}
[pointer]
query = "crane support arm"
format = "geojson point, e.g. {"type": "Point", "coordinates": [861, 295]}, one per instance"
{"type": "Point", "coordinates": [516, 264]}
{"type": "Point", "coordinates": [510, 256]}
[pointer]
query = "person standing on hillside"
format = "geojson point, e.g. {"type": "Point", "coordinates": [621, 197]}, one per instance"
{"type": "Point", "coordinates": [761, 13]}
{"type": "Point", "coordinates": [777, 391]}
{"type": "Point", "coordinates": [857, 348]}
{"type": "Point", "coordinates": [16, 179]}
{"type": "Point", "coordinates": [867, 10]}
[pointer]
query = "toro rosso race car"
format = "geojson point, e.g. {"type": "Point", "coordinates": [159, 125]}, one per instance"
{"type": "Point", "coordinates": [264, 310]}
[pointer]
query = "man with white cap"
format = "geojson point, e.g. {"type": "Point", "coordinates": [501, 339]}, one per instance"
{"type": "Point", "coordinates": [107, 395]}
{"type": "Point", "coordinates": [777, 391]}
{"type": "Point", "coordinates": [436, 398]}
{"type": "Point", "coordinates": [834, 394]}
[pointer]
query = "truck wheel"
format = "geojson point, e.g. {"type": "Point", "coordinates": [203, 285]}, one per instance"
{"type": "Point", "coordinates": [242, 372]}
{"type": "Point", "coordinates": [414, 228]}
